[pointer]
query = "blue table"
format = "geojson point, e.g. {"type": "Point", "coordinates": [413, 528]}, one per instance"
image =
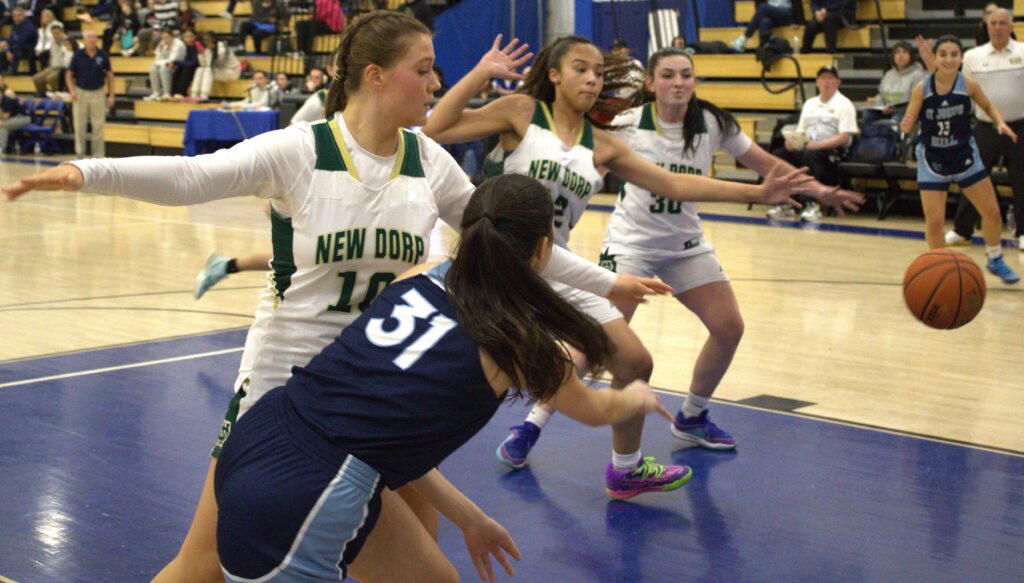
{"type": "Point", "coordinates": [209, 130]}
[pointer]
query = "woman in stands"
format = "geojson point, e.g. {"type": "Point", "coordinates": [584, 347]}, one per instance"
{"type": "Point", "coordinates": [896, 86]}
{"type": "Point", "coordinates": [322, 181]}
{"type": "Point", "coordinates": [947, 151]}
{"type": "Point", "coordinates": [546, 133]}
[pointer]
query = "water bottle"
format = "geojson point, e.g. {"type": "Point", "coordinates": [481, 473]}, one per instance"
{"type": "Point", "coordinates": [1011, 221]}
{"type": "Point", "coordinates": [796, 45]}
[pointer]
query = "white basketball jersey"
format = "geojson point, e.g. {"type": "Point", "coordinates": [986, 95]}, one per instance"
{"type": "Point", "coordinates": [341, 245]}
{"type": "Point", "coordinates": [568, 173]}
{"type": "Point", "coordinates": [650, 225]}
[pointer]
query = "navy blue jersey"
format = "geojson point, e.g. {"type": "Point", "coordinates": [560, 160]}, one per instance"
{"type": "Point", "coordinates": [402, 387]}
{"type": "Point", "coordinates": [946, 127]}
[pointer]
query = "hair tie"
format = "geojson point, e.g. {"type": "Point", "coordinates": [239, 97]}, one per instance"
{"type": "Point", "coordinates": [488, 217]}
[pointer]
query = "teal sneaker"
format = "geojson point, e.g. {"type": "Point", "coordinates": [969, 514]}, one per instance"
{"type": "Point", "coordinates": [216, 269]}
{"type": "Point", "coordinates": [1000, 269]}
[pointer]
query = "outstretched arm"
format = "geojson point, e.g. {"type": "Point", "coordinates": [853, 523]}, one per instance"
{"type": "Point", "coordinates": [620, 159]}
{"type": "Point", "coordinates": [760, 161]}
{"type": "Point", "coordinates": [484, 536]}
{"type": "Point", "coordinates": [450, 122]}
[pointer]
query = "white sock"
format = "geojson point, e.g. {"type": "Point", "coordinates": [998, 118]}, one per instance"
{"type": "Point", "coordinates": [625, 462]}
{"type": "Point", "coordinates": [538, 416]}
{"type": "Point", "coordinates": [694, 404]}
{"type": "Point", "coordinates": [994, 251]}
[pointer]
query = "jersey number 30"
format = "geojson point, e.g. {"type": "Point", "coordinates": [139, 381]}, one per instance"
{"type": "Point", "coordinates": [416, 307]}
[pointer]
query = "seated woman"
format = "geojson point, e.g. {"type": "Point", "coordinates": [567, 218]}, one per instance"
{"type": "Point", "coordinates": [769, 14]}
{"type": "Point", "coordinates": [309, 473]}
{"type": "Point", "coordinates": [896, 86]}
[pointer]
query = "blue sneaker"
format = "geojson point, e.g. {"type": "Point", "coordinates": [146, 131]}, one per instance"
{"type": "Point", "coordinates": [513, 451]}
{"type": "Point", "coordinates": [702, 431]}
{"type": "Point", "coordinates": [1000, 269]}
{"type": "Point", "coordinates": [216, 269]}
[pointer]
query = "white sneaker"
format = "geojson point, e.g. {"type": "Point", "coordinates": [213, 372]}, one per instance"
{"type": "Point", "coordinates": [152, 97]}
{"type": "Point", "coordinates": [1020, 243]}
{"type": "Point", "coordinates": [226, 14]}
{"type": "Point", "coordinates": [781, 210]}
{"type": "Point", "coordinates": [811, 213]}
{"type": "Point", "coordinates": [739, 44]}
{"type": "Point", "coordinates": [954, 238]}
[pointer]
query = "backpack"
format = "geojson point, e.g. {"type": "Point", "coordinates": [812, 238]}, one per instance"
{"type": "Point", "coordinates": [712, 47]}
{"type": "Point", "coordinates": [877, 143]}
{"type": "Point", "coordinates": [772, 49]}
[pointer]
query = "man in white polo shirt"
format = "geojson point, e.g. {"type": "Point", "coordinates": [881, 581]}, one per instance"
{"type": "Point", "coordinates": [998, 67]}
{"type": "Point", "coordinates": [827, 125]}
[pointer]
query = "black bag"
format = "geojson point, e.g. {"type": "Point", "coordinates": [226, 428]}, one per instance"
{"type": "Point", "coordinates": [772, 49]}
{"type": "Point", "coordinates": [713, 47]}
{"type": "Point", "coordinates": [778, 142]}
{"type": "Point", "coordinates": [877, 143]}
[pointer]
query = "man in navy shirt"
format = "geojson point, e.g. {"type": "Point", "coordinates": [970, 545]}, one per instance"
{"type": "Point", "coordinates": [20, 45]}
{"type": "Point", "coordinates": [89, 70]}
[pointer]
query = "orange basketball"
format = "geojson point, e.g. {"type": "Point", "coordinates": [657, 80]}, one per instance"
{"type": "Point", "coordinates": [944, 288]}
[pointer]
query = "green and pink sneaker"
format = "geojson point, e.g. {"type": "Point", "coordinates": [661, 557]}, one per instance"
{"type": "Point", "coordinates": [647, 477]}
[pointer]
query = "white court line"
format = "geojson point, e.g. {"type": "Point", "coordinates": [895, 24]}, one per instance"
{"type": "Point", "coordinates": [120, 367]}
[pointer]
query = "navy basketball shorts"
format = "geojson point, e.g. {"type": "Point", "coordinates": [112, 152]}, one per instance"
{"type": "Point", "coordinates": [928, 179]}
{"type": "Point", "coordinates": [291, 507]}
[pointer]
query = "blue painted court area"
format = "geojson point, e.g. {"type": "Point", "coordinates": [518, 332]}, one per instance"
{"type": "Point", "coordinates": [100, 473]}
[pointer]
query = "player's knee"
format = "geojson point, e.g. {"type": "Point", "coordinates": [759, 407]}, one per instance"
{"type": "Point", "coordinates": [729, 330]}
{"type": "Point", "coordinates": [635, 364]}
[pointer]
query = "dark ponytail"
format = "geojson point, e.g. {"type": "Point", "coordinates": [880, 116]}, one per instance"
{"type": "Point", "coordinates": [502, 303]}
{"type": "Point", "coordinates": [375, 38]}
{"type": "Point", "coordinates": [694, 118]}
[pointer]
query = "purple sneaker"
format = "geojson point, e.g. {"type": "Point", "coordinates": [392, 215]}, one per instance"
{"type": "Point", "coordinates": [702, 431]}
{"type": "Point", "coordinates": [513, 451]}
{"type": "Point", "coordinates": [647, 477]}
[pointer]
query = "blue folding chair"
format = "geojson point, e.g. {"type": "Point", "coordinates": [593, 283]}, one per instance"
{"type": "Point", "coordinates": [45, 122]}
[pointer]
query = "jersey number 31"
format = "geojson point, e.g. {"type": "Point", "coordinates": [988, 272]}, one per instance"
{"type": "Point", "coordinates": [416, 307]}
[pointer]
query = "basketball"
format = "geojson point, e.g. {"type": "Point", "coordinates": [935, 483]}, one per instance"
{"type": "Point", "coordinates": [944, 288]}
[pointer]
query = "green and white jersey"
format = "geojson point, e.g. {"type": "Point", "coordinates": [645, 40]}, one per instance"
{"type": "Point", "coordinates": [361, 222]}
{"type": "Point", "coordinates": [650, 225]}
{"type": "Point", "coordinates": [568, 173]}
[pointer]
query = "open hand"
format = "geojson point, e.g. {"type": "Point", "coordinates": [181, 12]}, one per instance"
{"type": "Point", "coordinates": [630, 288]}
{"type": "Point", "coordinates": [836, 198]}
{"type": "Point", "coordinates": [778, 188]}
{"type": "Point", "coordinates": [503, 62]}
{"type": "Point", "coordinates": [1004, 130]}
{"type": "Point", "coordinates": [485, 538]}
{"type": "Point", "coordinates": [63, 177]}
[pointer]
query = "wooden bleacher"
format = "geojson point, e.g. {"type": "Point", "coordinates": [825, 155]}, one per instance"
{"type": "Point", "coordinates": [859, 38]}
{"type": "Point", "coordinates": [215, 8]}
{"type": "Point", "coordinates": [891, 10]}
{"type": "Point", "coordinates": [145, 135]}
{"type": "Point", "coordinates": [168, 110]}
{"type": "Point", "coordinates": [747, 66]}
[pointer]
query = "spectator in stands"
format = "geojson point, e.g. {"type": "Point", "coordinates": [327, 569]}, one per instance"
{"type": "Point", "coordinates": [328, 18]}
{"type": "Point", "coordinates": [769, 14]}
{"type": "Point", "coordinates": [161, 73]}
{"type": "Point", "coordinates": [124, 27]}
{"type": "Point", "coordinates": [12, 114]}
{"type": "Point", "coordinates": [679, 42]}
{"type": "Point", "coordinates": [45, 39]}
{"type": "Point", "coordinates": [186, 16]}
{"type": "Point", "coordinates": [420, 10]}
{"type": "Point", "coordinates": [313, 108]}
{"type": "Point", "coordinates": [185, 68]}
{"type": "Point", "coordinates": [216, 63]}
{"type": "Point", "coordinates": [102, 7]}
{"type": "Point", "coordinates": [20, 45]}
{"type": "Point", "coordinates": [634, 78]}
{"type": "Point", "coordinates": [827, 125]}
{"type": "Point", "coordinates": [57, 59]}
{"type": "Point", "coordinates": [314, 81]}
{"type": "Point", "coordinates": [258, 94]}
{"type": "Point", "coordinates": [89, 70]}
{"type": "Point", "coordinates": [149, 22]}
{"type": "Point", "coordinates": [283, 85]}
{"type": "Point", "coordinates": [267, 16]}
{"type": "Point", "coordinates": [827, 16]}
{"type": "Point", "coordinates": [896, 86]}
{"type": "Point", "coordinates": [998, 67]}
{"type": "Point", "coordinates": [982, 36]}
{"type": "Point", "coordinates": [166, 12]}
